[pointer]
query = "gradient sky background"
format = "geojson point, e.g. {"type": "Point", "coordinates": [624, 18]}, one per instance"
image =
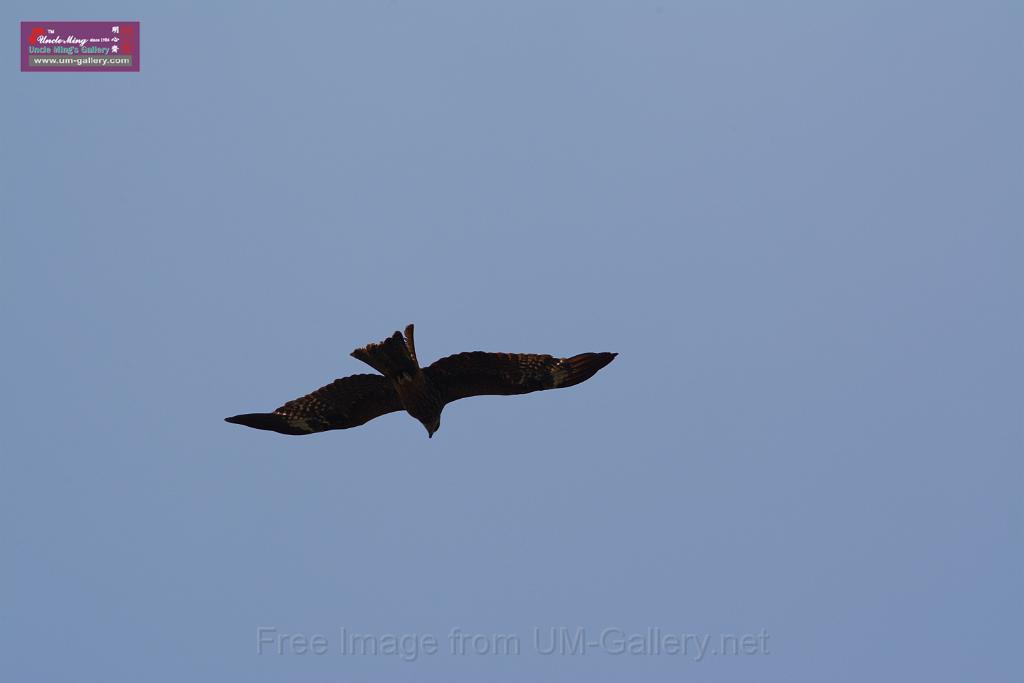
{"type": "Point", "coordinates": [799, 223]}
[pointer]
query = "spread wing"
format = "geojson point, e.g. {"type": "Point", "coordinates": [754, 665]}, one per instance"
{"type": "Point", "coordinates": [346, 402]}
{"type": "Point", "coordinates": [477, 373]}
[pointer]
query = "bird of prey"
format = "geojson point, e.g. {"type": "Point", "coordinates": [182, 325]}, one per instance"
{"type": "Point", "coordinates": [422, 392]}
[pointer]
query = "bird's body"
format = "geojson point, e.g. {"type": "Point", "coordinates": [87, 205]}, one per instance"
{"type": "Point", "coordinates": [422, 392]}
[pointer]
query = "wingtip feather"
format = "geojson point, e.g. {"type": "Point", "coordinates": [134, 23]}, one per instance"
{"type": "Point", "coordinates": [268, 421]}
{"type": "Point", "coordinates": [584, 366]}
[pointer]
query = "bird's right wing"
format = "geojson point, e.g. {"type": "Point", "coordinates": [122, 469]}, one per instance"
{"type": "Point", "coordinates": [478, 373]}
{"type": "Point", "coordinates": [346, 402]}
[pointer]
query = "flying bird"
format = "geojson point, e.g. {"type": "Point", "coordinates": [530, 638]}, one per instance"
{"type": "Point", "coordinates": [422, 392]}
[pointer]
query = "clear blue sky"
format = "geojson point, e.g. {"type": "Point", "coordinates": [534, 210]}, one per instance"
{"type": "Point", "coordinates": [799, 224]}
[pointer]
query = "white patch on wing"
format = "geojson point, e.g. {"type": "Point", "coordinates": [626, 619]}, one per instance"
{"type": "Point", "coordinates": [298, 423]}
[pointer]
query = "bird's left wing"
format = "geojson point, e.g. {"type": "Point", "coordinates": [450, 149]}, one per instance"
{"type": "Point", "coordinates": [478, 373]}
{"type": "Point", "coordinates": [346, 402]}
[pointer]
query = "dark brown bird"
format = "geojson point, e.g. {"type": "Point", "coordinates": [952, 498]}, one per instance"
{"type": "Point", "coordinates": [422, 392]}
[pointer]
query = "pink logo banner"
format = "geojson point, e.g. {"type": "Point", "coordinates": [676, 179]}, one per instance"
{"type": "Point", "coordinates": [79, 46]}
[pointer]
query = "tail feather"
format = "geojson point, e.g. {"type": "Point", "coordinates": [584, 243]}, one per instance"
{"type": "Point", "coordinates": [572, 371]}
{"type": "Point", "coordinates": [392, 357]}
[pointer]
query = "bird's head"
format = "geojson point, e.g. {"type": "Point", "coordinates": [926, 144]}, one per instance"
{"type": "Point", "coordinates": [432, 426]}
{"type": "Point", "coordinates": [428, 413]}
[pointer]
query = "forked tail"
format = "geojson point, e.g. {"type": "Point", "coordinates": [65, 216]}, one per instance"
{"type": "Point", "coordinates": [393, 357]}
